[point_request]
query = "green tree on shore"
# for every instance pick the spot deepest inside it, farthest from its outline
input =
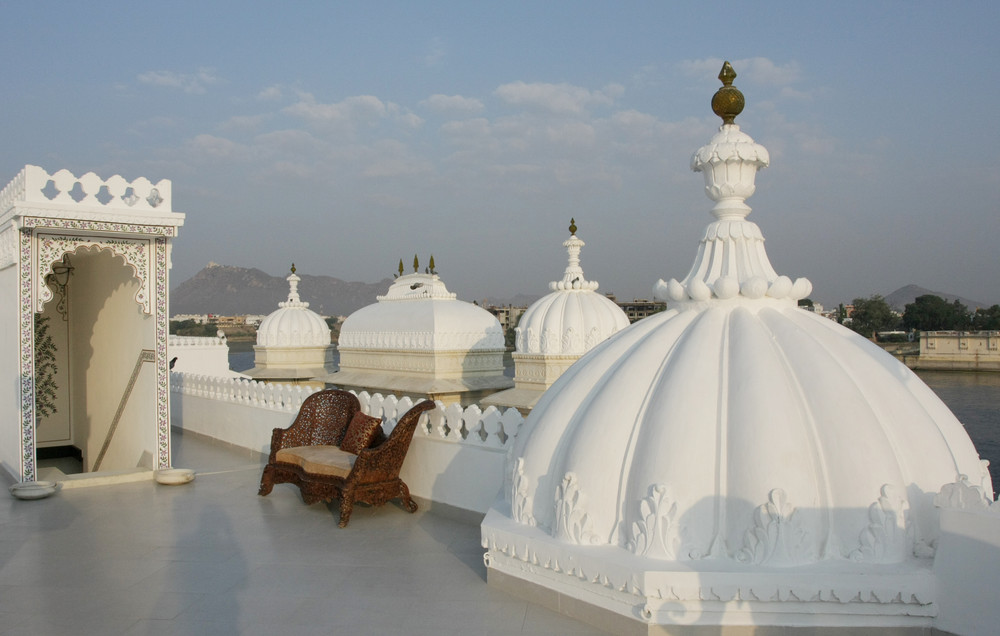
(933, 313)
(987, 319)
(872, 314)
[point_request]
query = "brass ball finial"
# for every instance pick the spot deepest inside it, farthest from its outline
(293, 268)
(572, 226)
(728, 101)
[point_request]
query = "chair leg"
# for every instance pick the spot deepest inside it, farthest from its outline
(404, 494)
(346, 507)
(266, 481)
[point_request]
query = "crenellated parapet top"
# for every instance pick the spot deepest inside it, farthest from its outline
(33, 186)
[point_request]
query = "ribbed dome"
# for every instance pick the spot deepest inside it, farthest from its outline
(736, 460)
(571, 319)
(419, 313)
(752, 431)
(736, 426)
(294, 324)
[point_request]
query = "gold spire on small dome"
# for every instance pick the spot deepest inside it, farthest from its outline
(400, 267)
(572, 226)
(293, 268)
(728, 101)
(416, 264)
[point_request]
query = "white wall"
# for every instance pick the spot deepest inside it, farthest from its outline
(967, 567)
(10, 375)
(201, 355)
(457, 456)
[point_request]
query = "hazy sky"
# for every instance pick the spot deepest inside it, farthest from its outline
(344, 136)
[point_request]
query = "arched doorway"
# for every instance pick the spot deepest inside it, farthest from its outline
(105, 355)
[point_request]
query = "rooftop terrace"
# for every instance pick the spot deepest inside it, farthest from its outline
(211, 557)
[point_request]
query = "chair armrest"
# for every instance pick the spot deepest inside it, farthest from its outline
(385, 460)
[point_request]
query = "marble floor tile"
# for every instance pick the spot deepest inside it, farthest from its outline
(212, 557)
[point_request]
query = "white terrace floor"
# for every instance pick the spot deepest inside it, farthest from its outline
(211, 557)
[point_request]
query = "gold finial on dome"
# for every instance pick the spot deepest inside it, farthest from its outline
(728, 101)
(400, 267)
(416, 264)
(572, 226)
(432, 265)
(293, 268)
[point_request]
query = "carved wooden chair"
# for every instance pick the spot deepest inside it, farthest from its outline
(323, 471)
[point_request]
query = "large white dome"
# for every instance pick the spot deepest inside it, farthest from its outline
(573, 317)
(735, 458)
(419, 313)
(293, 324)
(754, 432)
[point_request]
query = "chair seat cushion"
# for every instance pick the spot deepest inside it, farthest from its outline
(318, 460)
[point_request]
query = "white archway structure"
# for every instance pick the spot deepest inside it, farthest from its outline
(43, 218)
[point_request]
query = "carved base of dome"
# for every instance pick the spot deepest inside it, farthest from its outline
(627, 594)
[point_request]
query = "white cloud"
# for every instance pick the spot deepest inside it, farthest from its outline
(571, 133)
(270, 93)
(350, 112)
(295, 142)
(244, 122)
(216, 147)
(194, 83)
(478, 127)
(409, 120)
(561, 99)
(452, 104)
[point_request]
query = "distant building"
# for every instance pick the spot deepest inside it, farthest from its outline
(640, 308)
(971, 350)
(507, 316)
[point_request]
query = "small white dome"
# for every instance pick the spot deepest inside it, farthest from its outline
(294, 324)
(419, 313)
(574, 317)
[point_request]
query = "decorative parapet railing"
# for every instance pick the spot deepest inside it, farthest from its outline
(275, 397)
(196, 341)
(489, 428)
(33, 185)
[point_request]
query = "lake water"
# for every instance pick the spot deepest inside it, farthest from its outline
(974, 398)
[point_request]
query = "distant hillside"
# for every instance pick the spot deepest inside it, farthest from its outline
(229, 291)
(903, 296)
